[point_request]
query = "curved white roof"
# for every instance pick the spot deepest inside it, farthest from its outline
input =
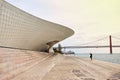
(25, 31)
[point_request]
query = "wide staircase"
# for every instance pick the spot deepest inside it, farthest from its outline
(14, 62)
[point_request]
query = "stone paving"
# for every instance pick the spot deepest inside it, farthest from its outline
(44, 66)
(73, 68)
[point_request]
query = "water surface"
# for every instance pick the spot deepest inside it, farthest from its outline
(114, 58)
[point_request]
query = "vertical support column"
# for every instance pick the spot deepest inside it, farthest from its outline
(110, 40)
(50, 44)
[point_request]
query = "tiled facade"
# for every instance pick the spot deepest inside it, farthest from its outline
(19, 29)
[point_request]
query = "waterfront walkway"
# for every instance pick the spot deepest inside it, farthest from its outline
(32, 65)
(60, 67)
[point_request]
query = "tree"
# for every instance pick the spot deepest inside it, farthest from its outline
(59, 48)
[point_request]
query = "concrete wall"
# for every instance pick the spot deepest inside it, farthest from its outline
(19, 29)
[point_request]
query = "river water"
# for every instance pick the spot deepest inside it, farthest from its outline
(114, 58)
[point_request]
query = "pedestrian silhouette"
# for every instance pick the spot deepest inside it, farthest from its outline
(91, 56)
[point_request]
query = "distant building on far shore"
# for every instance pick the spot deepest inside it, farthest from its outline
(69, 52)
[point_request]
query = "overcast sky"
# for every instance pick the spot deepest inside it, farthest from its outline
(90, 19)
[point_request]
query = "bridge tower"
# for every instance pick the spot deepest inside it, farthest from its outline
(110, 40)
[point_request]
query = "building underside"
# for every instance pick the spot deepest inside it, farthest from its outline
(19, 29)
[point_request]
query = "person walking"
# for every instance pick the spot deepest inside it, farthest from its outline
(91, 56)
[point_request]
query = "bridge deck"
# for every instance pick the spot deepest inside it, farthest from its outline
(102, 46)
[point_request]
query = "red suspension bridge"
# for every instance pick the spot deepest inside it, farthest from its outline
(110, 45)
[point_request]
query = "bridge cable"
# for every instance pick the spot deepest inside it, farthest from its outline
(94, 41)
(116, 37)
